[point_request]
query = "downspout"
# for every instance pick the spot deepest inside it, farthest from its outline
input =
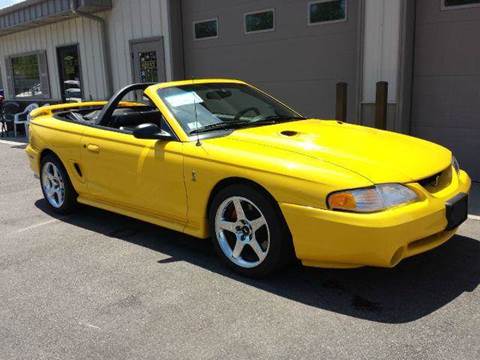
(107, 64)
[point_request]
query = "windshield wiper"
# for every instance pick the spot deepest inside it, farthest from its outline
(245, 123)
(220, 126)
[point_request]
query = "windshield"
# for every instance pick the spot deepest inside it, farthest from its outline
(205, 107)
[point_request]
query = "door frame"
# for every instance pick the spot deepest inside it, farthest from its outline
(133, 42)
(60, 69)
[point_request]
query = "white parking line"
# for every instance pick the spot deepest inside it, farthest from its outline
(38, 225)
(90, 325)
(14, 143)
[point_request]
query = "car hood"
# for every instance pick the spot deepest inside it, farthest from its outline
(380, 156)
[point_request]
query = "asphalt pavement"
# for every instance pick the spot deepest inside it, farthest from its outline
(95, 285)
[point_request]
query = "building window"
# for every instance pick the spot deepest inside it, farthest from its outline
(327, 11)
(148, 66)
(260, 21)
(205, 29)
(70, 73)
(28, 76)
(448, 4)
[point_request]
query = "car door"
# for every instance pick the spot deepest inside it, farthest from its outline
(135, 175)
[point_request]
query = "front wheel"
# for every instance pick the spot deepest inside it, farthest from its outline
(248, 231)
(56, 186)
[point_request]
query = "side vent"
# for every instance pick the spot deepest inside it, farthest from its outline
(77, 169)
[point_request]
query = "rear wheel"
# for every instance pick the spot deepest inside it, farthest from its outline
(56, 186)
(248, 232)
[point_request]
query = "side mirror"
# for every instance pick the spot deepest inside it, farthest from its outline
(151, 131)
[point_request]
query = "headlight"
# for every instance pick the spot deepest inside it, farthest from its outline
(377, 198)
(455, 164)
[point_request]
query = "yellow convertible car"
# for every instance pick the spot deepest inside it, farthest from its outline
(219, 158)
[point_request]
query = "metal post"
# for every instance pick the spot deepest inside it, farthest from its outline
(341, 105)
(381, 105)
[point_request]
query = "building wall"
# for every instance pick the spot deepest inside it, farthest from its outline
(381, 47)
(297, 63)
(133, 20)
(381, 57)
(446, 90)
(85, 32)
(128, 20)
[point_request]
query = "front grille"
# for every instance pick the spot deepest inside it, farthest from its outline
(437, 181)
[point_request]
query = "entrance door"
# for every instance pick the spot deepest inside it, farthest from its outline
(148, 60)
(70, 73)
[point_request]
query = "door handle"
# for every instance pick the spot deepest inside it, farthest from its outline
(93, 148)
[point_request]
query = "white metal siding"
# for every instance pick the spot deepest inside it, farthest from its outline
(85, 32)
(132, 20)
(381, 47)
(128, 20)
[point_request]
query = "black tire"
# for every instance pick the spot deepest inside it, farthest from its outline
(69, 203)
(280, 249)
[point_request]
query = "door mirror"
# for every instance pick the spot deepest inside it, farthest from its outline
(151, 131)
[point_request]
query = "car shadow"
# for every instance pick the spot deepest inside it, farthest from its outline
(415, 288)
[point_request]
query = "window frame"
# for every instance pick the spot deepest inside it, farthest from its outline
(246, 32)
(310, 3)
(2, 86)
(194, 23)
(46, 75)
(444, 7)
(60, 74)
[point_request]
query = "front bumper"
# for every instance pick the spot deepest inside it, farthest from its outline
(333, 239)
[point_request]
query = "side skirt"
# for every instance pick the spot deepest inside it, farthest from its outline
(176, 226)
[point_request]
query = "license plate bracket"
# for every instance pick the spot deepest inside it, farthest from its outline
(456, 211)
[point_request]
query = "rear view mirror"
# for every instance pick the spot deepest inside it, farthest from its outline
(218, 94)
(151, 131)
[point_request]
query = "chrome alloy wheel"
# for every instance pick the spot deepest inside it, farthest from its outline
(53, 185)
(242, 232)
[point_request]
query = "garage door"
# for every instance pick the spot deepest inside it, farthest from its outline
(446, 100)
(297, 50)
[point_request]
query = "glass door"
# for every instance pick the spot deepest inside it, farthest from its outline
(70, 73)
(148, 61)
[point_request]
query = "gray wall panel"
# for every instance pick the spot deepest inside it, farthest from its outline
(446, 91)
(297, 63)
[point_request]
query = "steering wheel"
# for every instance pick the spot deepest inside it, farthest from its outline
(244, 111)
